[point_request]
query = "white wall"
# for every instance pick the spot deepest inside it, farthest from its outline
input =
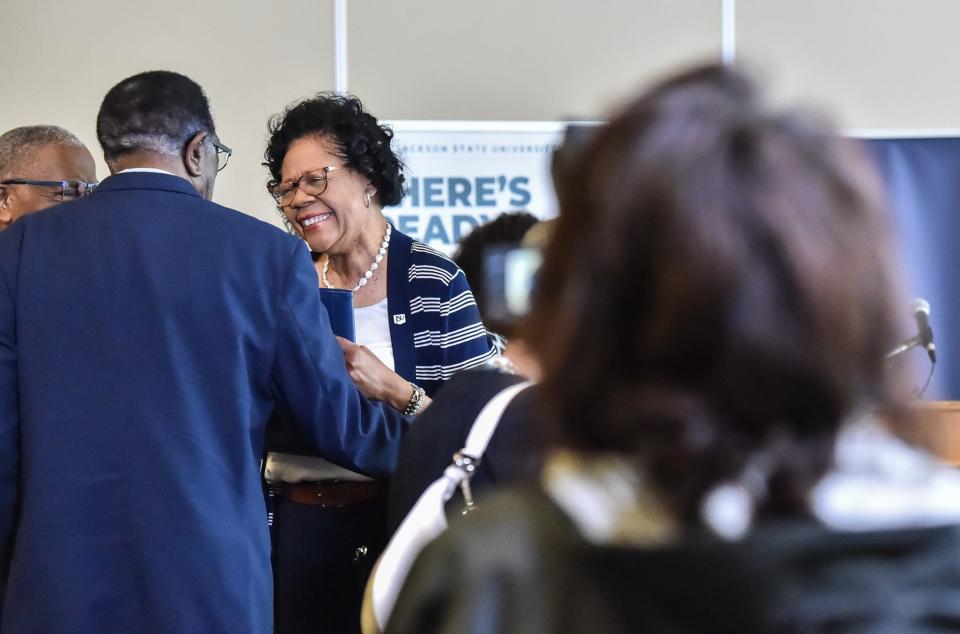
(252, 58)
(877, 63)
(518, 59)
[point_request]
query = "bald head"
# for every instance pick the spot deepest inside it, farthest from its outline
(43, 153)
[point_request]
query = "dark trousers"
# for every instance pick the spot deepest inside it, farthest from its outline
(322, 558)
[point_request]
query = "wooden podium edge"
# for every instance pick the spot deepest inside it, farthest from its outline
(935, 426)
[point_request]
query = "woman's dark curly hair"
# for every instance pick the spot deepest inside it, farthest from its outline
(360, 140)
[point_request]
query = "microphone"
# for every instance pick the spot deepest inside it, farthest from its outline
(921, 313)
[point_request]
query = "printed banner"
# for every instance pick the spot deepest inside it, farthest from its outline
(462, 174)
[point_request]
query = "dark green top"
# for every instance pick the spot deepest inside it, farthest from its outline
(518, 564)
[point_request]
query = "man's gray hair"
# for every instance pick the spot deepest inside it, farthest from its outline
(157, 111)
(157, 143)
(17, 145)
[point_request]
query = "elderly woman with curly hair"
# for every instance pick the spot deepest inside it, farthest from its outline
(332, 172)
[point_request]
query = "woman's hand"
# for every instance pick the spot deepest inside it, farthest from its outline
(374, 379)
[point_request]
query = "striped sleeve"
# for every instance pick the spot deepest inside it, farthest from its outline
(458, 340)
(461, 301)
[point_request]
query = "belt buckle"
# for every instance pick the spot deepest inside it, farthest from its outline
(323, 497)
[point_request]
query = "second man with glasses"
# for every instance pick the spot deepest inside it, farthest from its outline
(41, 166)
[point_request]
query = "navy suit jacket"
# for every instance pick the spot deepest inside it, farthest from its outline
(145, 336)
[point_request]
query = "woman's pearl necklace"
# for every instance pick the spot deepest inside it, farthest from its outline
(373, 267)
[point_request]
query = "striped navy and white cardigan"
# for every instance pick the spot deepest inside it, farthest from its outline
(435, 327)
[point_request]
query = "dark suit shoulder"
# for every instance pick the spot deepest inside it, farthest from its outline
(260, 231)
(494, 566)
(433, 438)
(251, 222)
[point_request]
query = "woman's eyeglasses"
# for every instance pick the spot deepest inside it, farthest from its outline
(313, 183)
(66, 190)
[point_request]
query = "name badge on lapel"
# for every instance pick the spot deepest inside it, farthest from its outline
(400, 319)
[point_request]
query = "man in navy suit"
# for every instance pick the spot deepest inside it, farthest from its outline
(145, 336)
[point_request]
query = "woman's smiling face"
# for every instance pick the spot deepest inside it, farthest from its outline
(332, 221)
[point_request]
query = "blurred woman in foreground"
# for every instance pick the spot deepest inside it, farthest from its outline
(714, 307)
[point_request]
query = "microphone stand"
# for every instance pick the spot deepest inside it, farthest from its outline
(906, 346)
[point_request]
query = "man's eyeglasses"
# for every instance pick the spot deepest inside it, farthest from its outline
(223, 153)
(313, 183)
(67, 190)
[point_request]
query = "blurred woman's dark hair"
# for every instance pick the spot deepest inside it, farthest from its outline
(360, 140)
(716, 299)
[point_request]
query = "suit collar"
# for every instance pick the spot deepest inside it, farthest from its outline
(147, 180)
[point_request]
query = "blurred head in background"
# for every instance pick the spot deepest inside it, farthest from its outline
(504, 232)
(716, 298)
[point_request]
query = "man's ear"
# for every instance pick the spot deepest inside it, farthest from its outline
(193, 155)
(6, 206)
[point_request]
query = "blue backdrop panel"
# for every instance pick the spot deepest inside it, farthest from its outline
(923, 180)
